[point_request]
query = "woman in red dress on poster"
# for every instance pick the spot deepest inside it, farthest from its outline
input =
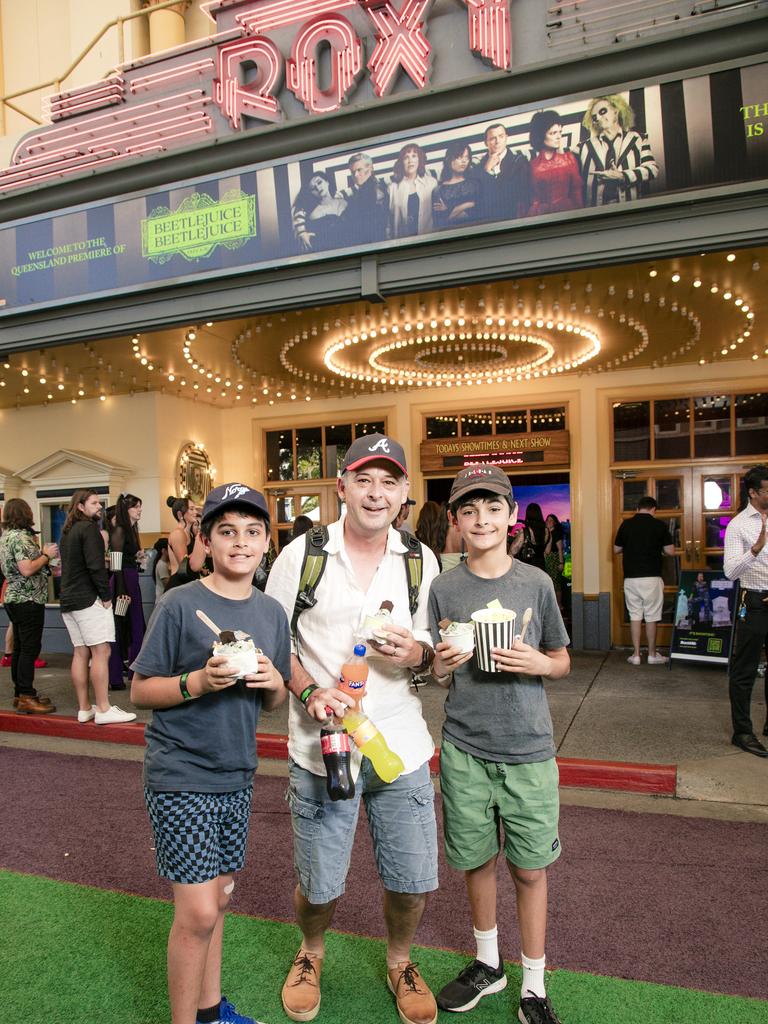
(556, 183)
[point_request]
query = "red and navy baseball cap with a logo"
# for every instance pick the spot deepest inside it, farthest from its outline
(373, 448)
(229, 495)
(481, 478)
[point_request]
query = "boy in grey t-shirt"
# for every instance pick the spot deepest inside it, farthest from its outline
(201, 743)
(497, 762)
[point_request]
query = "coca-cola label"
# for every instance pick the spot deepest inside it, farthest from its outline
(334, 743)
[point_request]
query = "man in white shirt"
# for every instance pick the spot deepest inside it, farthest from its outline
(746, 560)
(365, 566)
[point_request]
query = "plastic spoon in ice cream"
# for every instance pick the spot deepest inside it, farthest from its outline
(224, 636)
(527, 616)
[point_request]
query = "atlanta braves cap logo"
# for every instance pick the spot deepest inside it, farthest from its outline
(380, 445)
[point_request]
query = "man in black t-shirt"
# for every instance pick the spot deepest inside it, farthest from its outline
(643, 541)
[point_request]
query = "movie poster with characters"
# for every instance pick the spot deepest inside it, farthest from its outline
(704, 617)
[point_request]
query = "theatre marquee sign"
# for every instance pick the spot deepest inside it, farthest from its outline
(267, 61)
(507, 451)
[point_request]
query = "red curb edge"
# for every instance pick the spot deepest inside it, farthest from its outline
(574, 772)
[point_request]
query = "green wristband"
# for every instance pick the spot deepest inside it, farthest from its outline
(186, 695)
(305, 694)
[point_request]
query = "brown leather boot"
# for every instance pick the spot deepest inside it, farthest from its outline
(39, 699)
(301, 991)
(415, 1002)
(33, 706)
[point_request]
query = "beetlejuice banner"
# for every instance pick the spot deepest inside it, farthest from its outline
(568, 157)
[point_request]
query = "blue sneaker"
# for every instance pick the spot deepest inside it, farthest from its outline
(229, 1015)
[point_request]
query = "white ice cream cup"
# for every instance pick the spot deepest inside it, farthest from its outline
(494, 627)
(244, 660)
(463, 641)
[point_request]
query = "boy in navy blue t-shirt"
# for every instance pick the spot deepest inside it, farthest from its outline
(201, 743)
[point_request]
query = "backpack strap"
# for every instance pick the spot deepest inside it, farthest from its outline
(312, 569)
(414, 568)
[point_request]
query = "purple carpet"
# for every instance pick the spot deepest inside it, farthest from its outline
(643, 896)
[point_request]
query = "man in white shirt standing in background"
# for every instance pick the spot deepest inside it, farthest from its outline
(365, 565)
(746, 560)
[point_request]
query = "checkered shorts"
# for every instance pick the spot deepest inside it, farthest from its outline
(199, 836)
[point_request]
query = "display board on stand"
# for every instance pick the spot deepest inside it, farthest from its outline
(704, 622)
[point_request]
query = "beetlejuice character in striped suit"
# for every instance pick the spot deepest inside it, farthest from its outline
(616, 161)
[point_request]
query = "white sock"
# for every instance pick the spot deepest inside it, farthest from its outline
(533, 976)
(488, 946)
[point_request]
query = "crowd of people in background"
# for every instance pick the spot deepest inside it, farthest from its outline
(172, 561)
(611, 163)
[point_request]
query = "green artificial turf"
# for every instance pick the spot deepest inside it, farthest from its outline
(71, 954)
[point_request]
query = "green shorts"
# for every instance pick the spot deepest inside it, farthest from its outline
(478, 795)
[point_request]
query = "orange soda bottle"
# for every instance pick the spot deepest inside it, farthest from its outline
(372, 745)
(353, 675)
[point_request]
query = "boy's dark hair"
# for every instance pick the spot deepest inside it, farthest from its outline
(246, 511)
(468, 499)
(754, 477)
(646, 503)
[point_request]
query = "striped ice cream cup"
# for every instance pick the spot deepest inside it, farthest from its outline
(493, 628)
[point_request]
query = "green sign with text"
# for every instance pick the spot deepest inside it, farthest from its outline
(198, 225)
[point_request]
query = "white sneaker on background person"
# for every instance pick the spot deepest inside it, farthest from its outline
(634, 659)
(114, 716)
(657, 659)
(86, 716)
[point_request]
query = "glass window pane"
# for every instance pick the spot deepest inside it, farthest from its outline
(442, 426)
(544, 420)
(477, 424)
(751, 424)
(670, 574)
(284, 508)
(279, 455)
(668, 493)
(672, 523)
(309, 441)
(712, 426)
(634, 490)
(337, 441)
(514, 422)
(717, 492)
(672, 429)
(631, 431)
(374, 427)
(714, 530)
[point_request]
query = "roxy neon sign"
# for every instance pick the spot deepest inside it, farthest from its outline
(400, 43)
(232, 80)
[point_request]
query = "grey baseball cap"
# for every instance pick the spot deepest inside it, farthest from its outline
(481, 478)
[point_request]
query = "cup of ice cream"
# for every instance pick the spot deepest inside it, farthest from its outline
(376, 626)
(460, 635)
(242, 655)
(494, 627)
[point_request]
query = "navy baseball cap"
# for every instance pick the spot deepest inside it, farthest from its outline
(372, 448)
(227, 495)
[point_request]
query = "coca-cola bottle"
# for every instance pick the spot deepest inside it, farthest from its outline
(334, 743)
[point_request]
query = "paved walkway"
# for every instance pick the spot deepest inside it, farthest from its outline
(605, 710)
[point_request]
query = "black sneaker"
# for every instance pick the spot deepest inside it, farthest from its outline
(535, 1010)
(475, 981)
